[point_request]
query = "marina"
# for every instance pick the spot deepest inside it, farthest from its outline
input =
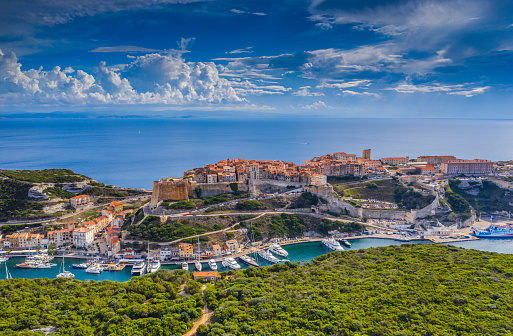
(299, 251)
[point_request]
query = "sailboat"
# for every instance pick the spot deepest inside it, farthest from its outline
(7, 274)
(65, 274)
(197, 263)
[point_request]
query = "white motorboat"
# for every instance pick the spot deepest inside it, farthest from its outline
(198, 265)
(332, 244)
(346, 242)
(154, 266)
(212, 264)
(46, 265)
(139, 268)
(3, 259)
(230, 263)
(185, 266)
(277, 249)
(248, 260)
(94, 269)
(268, 256)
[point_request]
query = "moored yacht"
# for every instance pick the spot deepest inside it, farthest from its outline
(332, 244)
(139, 268)
(268, 256)
(154, 266)
(198, 265)
(346, 242)
(248, 260)
(212, 264)
(64, 273)
(94, 269)
(231, 263)
(81, 266)
(277, 249)
(185, 266)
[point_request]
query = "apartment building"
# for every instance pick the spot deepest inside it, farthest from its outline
(471, 167)
(185, 250)
(80, 202)
(59, 237)
(394, 161)
(83, 237)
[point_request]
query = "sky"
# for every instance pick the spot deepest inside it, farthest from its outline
(338, 58)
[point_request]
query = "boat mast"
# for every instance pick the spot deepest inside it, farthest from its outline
(7, 274)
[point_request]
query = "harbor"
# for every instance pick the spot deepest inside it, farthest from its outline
(302, 250)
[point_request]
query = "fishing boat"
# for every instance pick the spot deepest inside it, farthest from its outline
(185, 266)
(332, 244)
(277, 249)
(230, 263)
(346, 242)
(212, 264)
(268, 256)
(154, 266)
(139, 268)
(64, 273)
(248, 260)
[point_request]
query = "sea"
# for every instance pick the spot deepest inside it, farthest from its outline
(133, 152)
(301, 252)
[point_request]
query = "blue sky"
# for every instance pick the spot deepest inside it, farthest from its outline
(346, 58)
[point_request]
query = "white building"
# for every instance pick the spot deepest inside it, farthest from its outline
(83, 237)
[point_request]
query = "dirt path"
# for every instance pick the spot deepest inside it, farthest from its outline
(205, 318)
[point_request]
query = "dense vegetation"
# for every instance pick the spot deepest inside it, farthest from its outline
(249, 205)
(45, 175)
(458, 203)
(14, 203)
(485, 196)
(147, 305)
(410, 199)
(305, 200)
(151, 228)
(278, 226)
(179, 205)
(421, 289)
(327, 225)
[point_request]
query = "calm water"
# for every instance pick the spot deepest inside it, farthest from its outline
(297, 252)
(134, 152)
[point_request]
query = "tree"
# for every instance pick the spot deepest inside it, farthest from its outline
(198, 192)
(192, 287)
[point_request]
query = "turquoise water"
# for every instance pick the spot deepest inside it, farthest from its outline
(297, 252)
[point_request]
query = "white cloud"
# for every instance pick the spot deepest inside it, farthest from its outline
(246, 87)
(315, 106)
(355, 93)
(241, 51)
(238, 11)
(149, 79)
(261, 14)
(344, 85)
(304, 91)
(125, 49)
(458, 89)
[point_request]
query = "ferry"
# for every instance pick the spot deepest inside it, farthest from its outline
(332, 244)
(268, 256)
(248, 260)
(277, 249)
(231, 263)
(212, 264)
(154, 266)
(139, 268)
(185, 266)
(495, 231)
